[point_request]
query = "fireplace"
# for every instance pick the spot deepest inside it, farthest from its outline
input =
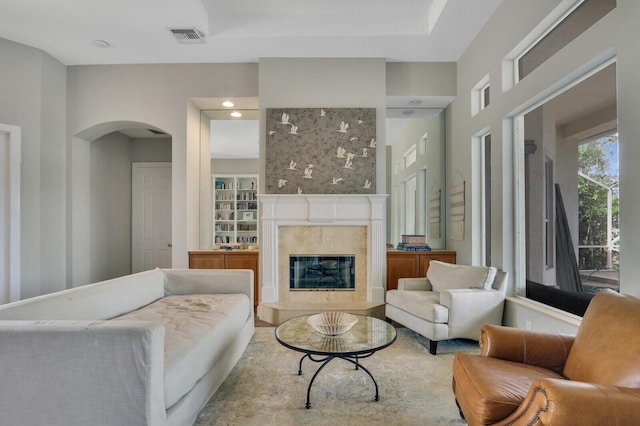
(322, 272)
(321, 225)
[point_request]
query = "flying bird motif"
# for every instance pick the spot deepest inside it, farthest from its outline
(308, 171)
(282, 183)
(285, 118)
(349, 163)
(336, 180)
(367, 184)
(294, 130)
(341, 152)
(343, 127)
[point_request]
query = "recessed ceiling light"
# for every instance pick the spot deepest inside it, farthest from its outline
(415, 102)
(227, 104)
(236, 114)
(407, 112)
(101, 44)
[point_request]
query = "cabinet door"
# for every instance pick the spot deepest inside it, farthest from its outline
(246, 261)
(206, 261)
(425, 258)
(401, 265)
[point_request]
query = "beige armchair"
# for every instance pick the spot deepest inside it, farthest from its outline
(452, 301)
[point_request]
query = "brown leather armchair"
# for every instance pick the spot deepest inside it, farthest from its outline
(524, 377)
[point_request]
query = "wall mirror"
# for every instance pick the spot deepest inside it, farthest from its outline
(416, 174)
(229, 146)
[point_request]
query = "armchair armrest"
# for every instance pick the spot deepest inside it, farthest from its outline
(548, 350)
(470, 309)
(414, 284)
(82, 372)
(564, 402)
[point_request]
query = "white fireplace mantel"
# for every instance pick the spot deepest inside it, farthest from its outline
(323, 210)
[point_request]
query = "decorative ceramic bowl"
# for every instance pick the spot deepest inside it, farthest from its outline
(332, 323)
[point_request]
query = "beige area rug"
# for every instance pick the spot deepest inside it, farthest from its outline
(264, 388)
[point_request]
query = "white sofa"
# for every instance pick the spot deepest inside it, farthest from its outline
(145, 349)
(452, 301)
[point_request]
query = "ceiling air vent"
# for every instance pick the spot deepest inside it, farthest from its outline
(187, 35)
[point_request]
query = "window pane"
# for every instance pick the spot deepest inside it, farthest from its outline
(578, 21)
(571, 195)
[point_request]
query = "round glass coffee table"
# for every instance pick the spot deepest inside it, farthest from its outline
(367, 336)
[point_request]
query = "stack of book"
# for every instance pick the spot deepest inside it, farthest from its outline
(413, 243)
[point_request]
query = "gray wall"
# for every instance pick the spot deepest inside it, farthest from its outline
(421, 79)
(161, 96)
(34, 96)
(151, 149)
(335, 83)
(110, 231)
(55, 172)
(235, 166)
(515, 21)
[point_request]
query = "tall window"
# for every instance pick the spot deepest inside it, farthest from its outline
(485, 170)
(410, 156)
(410, 206)
(485, 96)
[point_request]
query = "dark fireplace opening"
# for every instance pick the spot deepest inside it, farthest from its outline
(322, 272)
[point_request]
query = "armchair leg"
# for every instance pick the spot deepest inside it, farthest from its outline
(433, 346)
(460, 410)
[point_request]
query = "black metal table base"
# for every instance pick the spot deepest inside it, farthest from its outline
(353, 359)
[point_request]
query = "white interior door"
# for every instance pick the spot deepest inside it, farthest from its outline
(151, 216)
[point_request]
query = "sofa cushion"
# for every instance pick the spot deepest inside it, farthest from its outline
(447, 276)
(493, 388)
(422, 304)
(198, 329)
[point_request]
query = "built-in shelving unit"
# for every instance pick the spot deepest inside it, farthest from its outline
(235, 209)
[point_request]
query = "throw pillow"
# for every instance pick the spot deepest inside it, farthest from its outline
(447, 276)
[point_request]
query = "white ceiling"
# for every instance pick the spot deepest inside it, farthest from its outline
(137, 31)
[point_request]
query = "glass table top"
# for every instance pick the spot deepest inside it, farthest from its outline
(369, 334)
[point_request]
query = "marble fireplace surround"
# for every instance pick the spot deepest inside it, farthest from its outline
(321, 224)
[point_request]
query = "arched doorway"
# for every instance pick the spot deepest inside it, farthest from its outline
(104, 199)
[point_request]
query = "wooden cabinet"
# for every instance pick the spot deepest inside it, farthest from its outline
(412, 264)
(221, 259)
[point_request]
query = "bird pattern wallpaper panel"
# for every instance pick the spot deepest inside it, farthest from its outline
(321, 151)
